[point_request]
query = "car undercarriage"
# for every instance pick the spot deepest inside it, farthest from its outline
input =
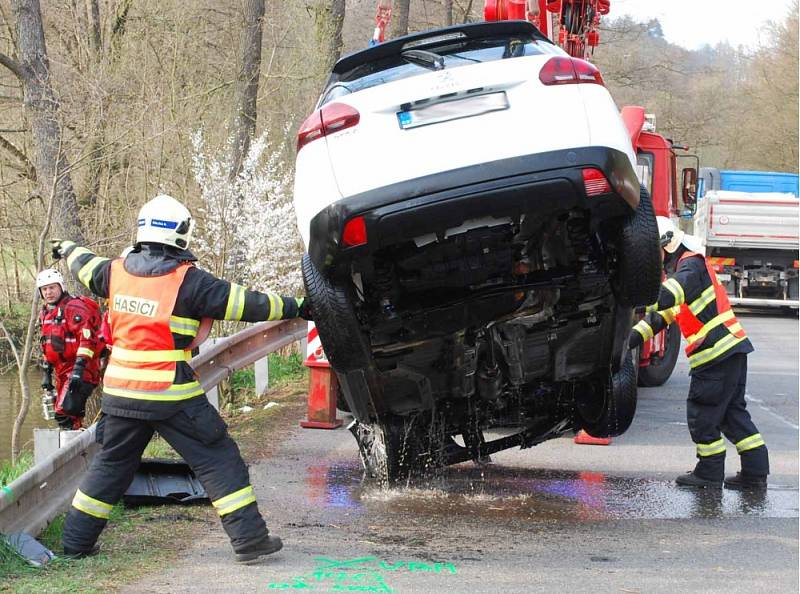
(515, 322)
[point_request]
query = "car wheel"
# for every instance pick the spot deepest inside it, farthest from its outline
(660, 368)
(399, 447)
(606, 409)
(638, 276)
(345, 345)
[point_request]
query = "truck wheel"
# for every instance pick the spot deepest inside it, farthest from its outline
(638, 276)
(606, 409)
(660, 368)
(345, 345)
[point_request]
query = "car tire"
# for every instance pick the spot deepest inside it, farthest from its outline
(397, 448)
(608, 410)
(657, 372)
(638, 276)
(344, 343)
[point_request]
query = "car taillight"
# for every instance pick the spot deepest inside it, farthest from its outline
(569, 71)
(355, 232)
(595, 183)
(328, 120)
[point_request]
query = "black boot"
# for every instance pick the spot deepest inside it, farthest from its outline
(690, 479)
(746, 482)
(70, 553)
(265, 546)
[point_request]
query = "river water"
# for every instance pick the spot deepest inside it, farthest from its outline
(10, 399)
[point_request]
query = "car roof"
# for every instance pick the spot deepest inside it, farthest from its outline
(399, 44)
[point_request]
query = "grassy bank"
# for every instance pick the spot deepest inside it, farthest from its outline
(10, 471)
(139, 540)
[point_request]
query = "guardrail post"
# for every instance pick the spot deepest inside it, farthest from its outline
(262, 375)
(212, 393)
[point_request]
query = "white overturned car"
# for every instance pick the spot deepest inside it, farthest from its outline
(477, 238)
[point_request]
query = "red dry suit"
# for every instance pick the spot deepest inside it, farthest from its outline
(71, 329)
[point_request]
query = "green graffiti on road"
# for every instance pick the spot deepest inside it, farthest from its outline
(362, 574)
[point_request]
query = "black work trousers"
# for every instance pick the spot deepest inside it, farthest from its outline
(715, 406)
(197, 433)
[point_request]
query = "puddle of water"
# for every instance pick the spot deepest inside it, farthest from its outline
(538, 495)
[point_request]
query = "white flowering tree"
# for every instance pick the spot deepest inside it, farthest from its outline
(248, 229)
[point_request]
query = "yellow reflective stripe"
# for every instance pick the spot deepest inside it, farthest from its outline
(75, 254)
(230, 503)
(651, 308)
(86, 271)
(701, 302)
(84, 352)
(734, 328)
(750, 443)
(645, 329)
(718, 349)
(668, 316)
(150, 356)
(173, 393)
(235, 307)
(710, 325)
(275, 306)
(185, 326)
(711, 449)
(143, 375)
(91, 506)
(676, 289)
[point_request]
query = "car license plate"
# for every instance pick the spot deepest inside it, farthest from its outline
(452, 110)
(724, 277)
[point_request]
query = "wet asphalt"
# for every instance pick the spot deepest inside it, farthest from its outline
(556, 517)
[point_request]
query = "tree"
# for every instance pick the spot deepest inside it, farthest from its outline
(329, 20)
(247, 79)
(400, 18)
(32, 68)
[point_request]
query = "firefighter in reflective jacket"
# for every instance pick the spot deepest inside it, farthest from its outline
(157, 297)
(717, 351)
(71, 347)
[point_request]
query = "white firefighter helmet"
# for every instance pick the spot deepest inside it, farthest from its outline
(670, 236)
(124, 253)
(49, 276)
(166, 221)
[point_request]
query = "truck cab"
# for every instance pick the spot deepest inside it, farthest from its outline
(657, 160)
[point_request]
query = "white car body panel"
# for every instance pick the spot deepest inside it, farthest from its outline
(377, 152)
(314, 185)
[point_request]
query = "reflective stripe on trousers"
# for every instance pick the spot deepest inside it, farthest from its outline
(750, 443)
(711, 449)
(89, 505)
(238, 499)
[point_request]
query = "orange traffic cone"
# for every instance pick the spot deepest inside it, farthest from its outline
(583, 438)
(322, 386)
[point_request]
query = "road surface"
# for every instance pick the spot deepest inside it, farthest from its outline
(557, 517)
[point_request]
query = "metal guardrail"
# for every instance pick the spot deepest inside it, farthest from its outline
(31, 502)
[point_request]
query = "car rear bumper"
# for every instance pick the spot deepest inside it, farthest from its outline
(542, 183)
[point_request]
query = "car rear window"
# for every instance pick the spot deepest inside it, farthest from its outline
(458, 52)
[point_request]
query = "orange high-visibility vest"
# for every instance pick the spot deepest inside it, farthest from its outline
(143, 356)
(696, 331)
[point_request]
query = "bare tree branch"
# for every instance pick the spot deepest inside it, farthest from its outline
(12, 65)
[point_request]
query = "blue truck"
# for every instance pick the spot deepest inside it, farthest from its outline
(756, 182)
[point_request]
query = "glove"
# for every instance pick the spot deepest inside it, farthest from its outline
(55, 248)
(304, 309)
(635, 340)
(47, 377)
